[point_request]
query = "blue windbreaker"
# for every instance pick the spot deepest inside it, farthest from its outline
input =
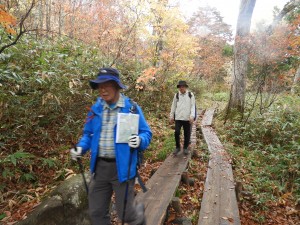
(92, 132)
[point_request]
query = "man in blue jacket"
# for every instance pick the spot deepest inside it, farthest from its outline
(113, 165)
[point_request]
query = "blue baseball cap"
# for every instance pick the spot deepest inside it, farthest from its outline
(107, 74)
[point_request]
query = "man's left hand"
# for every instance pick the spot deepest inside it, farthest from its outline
(134, 141)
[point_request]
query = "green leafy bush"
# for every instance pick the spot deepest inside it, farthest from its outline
(267, 148)
(19, 166)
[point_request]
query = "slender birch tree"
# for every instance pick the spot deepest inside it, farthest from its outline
(238, 88)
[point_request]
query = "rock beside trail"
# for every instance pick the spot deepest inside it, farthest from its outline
(66, 205)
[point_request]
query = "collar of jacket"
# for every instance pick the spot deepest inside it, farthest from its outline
(98, 106)
(183, 93)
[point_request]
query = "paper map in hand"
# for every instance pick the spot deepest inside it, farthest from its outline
(128, 124)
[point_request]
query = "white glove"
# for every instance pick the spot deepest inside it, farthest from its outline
(76, 153)
(134, 141)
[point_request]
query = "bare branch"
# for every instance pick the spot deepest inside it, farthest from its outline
(22, 28)
(288, 7)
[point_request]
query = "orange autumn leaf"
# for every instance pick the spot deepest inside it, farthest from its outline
(147, 75)
(7, 21)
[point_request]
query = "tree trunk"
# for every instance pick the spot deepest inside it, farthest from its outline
(296, 81)
(288, 7)
(48, 16)
(72, 20)
(238, 88)
(60, 18)
(41, 16)
(159, 43)
(157, 31)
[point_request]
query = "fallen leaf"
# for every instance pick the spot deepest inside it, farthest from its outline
(228, 218)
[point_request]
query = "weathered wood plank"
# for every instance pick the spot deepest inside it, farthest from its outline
(161, 188)
(210, 199)
(208, 117)
(163, 184)
(219, 204)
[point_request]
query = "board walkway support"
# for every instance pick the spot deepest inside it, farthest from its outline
(219, 204)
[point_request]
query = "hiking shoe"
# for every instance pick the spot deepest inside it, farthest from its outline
(176, 151)
(185, 151)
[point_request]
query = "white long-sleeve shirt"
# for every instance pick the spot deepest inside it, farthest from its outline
(183, 108)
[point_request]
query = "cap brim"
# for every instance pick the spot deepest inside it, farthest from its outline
(94, 83)
(182, 85)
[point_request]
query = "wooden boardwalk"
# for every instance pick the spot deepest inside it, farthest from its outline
(163, 184)
(219, 204)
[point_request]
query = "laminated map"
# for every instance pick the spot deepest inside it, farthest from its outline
(127, 124)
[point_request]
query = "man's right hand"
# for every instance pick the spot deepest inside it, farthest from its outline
(76, 153)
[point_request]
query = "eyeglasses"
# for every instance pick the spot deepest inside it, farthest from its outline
(106, 85)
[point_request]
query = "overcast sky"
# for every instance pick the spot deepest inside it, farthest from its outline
(229, 9)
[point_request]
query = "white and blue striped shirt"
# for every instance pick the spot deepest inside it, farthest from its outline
(109, 121)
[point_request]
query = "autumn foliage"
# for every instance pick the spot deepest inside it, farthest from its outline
(7, 21)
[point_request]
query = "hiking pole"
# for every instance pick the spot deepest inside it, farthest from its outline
(82, 172)
(127, 184)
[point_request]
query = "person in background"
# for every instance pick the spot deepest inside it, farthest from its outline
(111, 165)
(183, 113)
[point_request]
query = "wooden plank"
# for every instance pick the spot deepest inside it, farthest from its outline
(161, 187)
(163, 184)
(208, 117)
(219, 204)
(210, 197)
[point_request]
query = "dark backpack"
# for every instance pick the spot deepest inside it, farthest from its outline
(190, 95)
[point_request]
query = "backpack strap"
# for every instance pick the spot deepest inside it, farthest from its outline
(133, 107)
(189, 93)
(141, 182)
